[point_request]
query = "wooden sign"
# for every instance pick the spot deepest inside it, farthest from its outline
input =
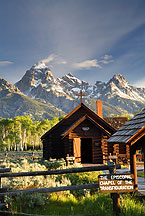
(113, 157)
(70, 158)
(116, 183)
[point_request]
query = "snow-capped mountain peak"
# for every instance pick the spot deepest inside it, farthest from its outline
(73, 85)
(119, 86)
(120, 81)
(40, 65)
(39, 83)
(71, 79)
(38, 75)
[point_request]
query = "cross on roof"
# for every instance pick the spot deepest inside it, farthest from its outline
(81, 95)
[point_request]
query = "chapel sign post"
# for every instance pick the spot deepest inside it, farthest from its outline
(115, 184)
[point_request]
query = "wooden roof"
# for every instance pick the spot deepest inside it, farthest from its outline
(79, 121)
(131, 130)
(70, 120)
(116, 122)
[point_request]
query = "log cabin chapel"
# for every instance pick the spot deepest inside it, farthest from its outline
(82, 134)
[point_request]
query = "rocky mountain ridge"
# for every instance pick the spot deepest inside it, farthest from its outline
(41, 96)
(6, 87)
(13, 103)
(40, 84)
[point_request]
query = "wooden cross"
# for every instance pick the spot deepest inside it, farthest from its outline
(81, 95)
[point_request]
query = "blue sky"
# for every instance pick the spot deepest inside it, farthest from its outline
(93, 39)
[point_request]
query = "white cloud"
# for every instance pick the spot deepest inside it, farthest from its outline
(5, 63)
(49, 59)
(107, 57)
(61, 61)
(140, 83)
(87, 64)
(104, 62)
(54, 59)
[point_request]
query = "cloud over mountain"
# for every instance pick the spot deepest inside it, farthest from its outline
(54, 59)
(49, 59)
(5, 63)
(140, 83)
(87, 64)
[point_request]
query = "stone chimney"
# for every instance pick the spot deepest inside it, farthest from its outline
(99, 108)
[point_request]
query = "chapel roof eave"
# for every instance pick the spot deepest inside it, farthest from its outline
(59, 123)
(107, 125)
(77, 123)
(131, 132)
(127, 140)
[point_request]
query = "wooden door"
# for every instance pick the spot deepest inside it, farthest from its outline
(77, 149)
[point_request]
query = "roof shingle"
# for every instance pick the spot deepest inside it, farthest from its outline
(130, 128)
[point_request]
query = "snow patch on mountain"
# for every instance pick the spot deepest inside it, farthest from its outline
(118, 85)
(40, 65)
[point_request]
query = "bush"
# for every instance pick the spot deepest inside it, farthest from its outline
(28, 165)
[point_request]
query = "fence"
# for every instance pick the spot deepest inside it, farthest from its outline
(4, 192)
(21, 154)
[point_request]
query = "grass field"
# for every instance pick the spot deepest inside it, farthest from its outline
(140, 174)
(82, 202)
(65, 204)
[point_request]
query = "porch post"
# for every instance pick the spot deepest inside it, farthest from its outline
(143, 149)
(133, 165)
(135, 172)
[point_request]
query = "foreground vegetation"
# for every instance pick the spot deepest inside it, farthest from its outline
(140, 174)
(67, 204)
(85, 202)
(21, 133)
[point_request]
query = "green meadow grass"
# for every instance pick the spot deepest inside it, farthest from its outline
(66, 204)
(132, 206)
(79, 202)
(98, 204)
(140, 174)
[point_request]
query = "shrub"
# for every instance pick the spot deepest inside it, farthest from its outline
(20, 201)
